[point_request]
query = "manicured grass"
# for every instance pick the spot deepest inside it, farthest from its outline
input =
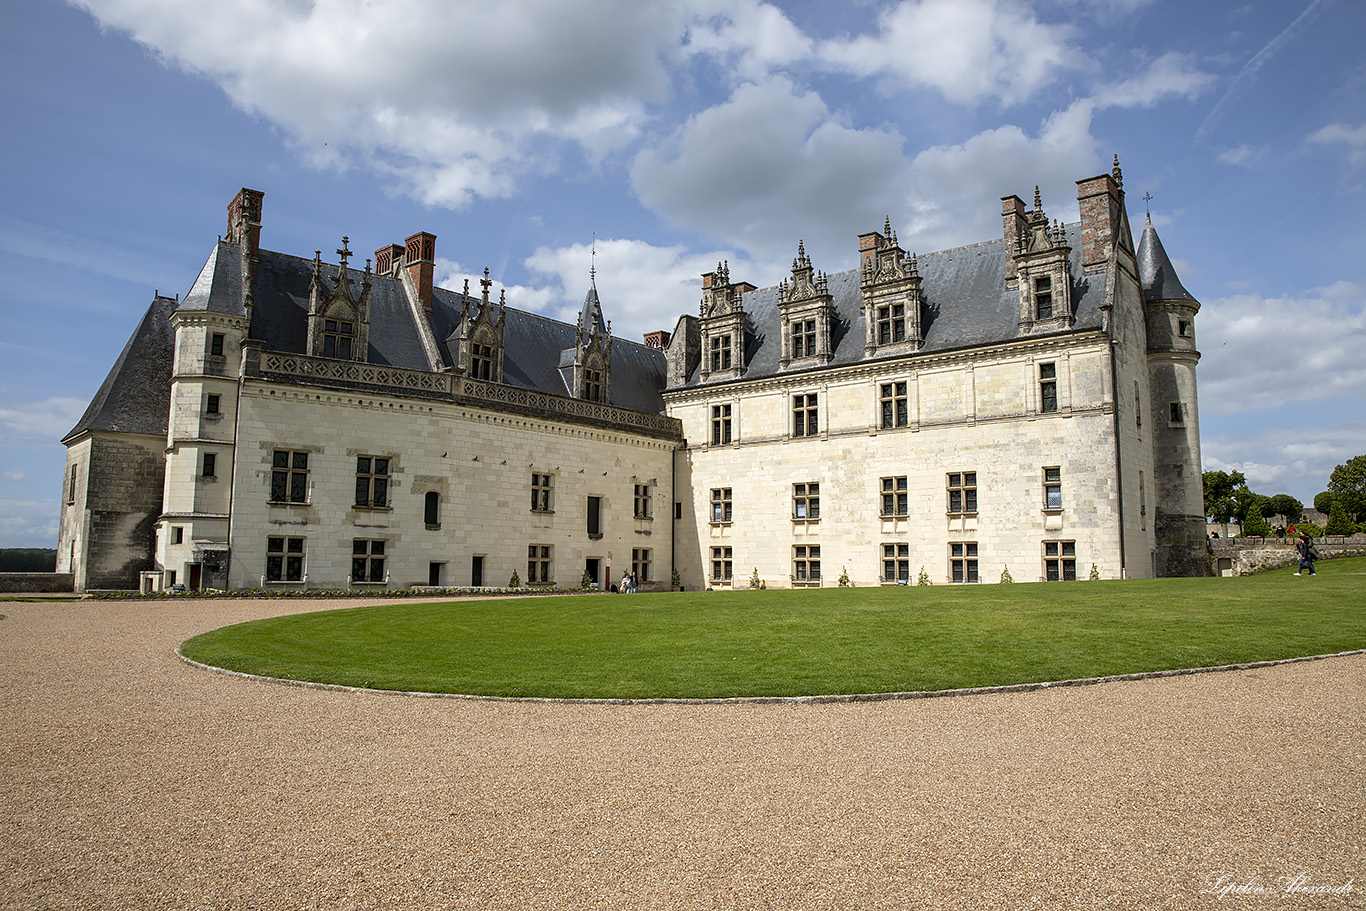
(829, 641)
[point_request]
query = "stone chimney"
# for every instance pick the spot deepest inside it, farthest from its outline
(1101, 200)
(244, 224)
(419, 256)
(387, 259)
(1013, 214)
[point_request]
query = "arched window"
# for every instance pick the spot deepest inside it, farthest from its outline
(433, 509)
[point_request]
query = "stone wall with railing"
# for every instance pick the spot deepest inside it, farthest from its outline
(1246, 556)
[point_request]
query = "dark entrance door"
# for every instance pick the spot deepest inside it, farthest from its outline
(477, 571)
(592, 567)
(195, 570)
(434, 574)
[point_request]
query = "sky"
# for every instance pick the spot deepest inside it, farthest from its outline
(649, 141)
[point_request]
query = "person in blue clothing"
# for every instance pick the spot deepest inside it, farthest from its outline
(1307, 554)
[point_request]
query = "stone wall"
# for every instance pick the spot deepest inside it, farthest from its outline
(1246, 556)
(37, 582)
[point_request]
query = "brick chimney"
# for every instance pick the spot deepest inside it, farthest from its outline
(1014, 224)
(244, 223)
(419, 256)
(1101, 200)
(387, 258)
(658, 339)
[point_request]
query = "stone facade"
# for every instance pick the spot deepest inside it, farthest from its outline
(1024, 405)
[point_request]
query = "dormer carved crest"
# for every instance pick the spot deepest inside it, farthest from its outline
(804, 308)
(889, 280)
(722, 325)
(480, 340)
(1041, 271)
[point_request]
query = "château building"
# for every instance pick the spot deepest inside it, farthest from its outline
(1024, 405)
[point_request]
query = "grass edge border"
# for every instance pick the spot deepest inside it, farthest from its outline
(773, 700)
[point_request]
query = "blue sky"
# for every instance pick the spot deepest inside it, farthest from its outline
(675, 135)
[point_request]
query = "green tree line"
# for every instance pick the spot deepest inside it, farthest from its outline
(1228, 498)
(27, 560)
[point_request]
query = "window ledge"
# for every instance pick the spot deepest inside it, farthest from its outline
(368, 508)
(1052, 511)
(436, 527)
(895, 515)
(288, 503)
(716, 524)
(803, 520)
(544, 512)
(962, 515)
(595, 536)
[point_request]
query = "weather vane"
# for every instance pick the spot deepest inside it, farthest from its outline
(1147, 198)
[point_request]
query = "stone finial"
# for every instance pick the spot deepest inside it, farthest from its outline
(1038, 203)
(1117, 174)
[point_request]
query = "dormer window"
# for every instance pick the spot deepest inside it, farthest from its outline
(891, 324)
(592, 385)
(337, 338)
(481, 362)
(804, 338)
(720, 352)
(1043, 297)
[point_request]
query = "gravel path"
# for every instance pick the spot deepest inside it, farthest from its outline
(129, 779)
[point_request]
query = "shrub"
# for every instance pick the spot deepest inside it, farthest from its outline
(844, 578)
(1254, 525)
(586, 581)
(1313, 530)
(1095, 573)
(676, 580)
(1323, 502)
(515, 581)
(1338, 523)
(1005, 575)
(754, 580)
(923, 578)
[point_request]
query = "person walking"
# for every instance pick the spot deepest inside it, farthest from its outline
(1307, 554)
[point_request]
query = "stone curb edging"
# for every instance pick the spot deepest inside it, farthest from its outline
(768, 700)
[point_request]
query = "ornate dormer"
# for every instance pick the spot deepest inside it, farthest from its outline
(805, 311)
(480, 341)
(338, 323)
(592, 363)
(890, 286)
(723, 325)
(1037, 265)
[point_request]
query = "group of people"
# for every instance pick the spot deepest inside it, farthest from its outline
(629, 584)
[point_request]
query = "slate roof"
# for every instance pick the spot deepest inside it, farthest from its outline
(136, 395)
(531, 343)
(1160, 282)
(967, 304)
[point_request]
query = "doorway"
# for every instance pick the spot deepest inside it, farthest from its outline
(593, 568)
(477, 571)
(196, 570)
(434, 574)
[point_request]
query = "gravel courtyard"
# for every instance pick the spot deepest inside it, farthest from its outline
(129, 779)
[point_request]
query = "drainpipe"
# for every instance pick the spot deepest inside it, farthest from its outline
(1119, 460)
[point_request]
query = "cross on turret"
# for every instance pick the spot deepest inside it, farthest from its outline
(344, 252)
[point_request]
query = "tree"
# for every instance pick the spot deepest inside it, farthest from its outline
(1348, 484)
(1220, 485)
(1323, 502)
(1253, 523)
(1338, 523)
(1283, 504)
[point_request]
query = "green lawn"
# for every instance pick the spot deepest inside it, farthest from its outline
(829, 641)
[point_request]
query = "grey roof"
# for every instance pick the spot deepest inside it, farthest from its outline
(966, 304)
(531, 343)
(1160, 282)
(136, 395)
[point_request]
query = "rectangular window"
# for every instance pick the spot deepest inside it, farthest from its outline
(894, 497)
(1183, 328)
(367, 560)
(284, 559)
(1043, 297)
(806, 563)
(372, 481)
(592, 385)
(481, 362)
(289, 477)
(962, 493)
(1052, 488)
(1048, 387)
(720, 425)
(541, 487)
(896, 562)
(640, 563)
(538, 564)
(804, 338)
(177, 534)
(1176, 415)
(804, 420)
(595, 516)
(720, 504)
(1060, 561)
(431, 509)
(216, 344)
(71, 486)
(211, 404)
(337, 337)
(963, 561)
(720, 352)
(806, 501)
(210, 465)
(642, 501)
(894, 411)
(721, 563)
(891, 324)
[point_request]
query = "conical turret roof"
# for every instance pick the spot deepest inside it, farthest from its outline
(1155, 270)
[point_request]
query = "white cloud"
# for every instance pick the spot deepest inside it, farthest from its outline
(757, 36)
(770, 163)
(1171, 75)
(1242, 155)
(1297, 460)
(16, 475)
(1354, 137)
(959, 187)
(77, 251)
(29, 523)
(1247, 340)
(967, 50)
(45, 421)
